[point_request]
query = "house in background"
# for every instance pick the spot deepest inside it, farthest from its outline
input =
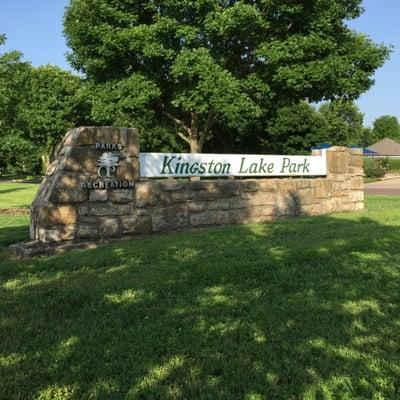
(386, 148)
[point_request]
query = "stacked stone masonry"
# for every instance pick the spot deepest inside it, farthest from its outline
(63, 210)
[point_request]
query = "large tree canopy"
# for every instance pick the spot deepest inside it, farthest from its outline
(208, 63)
(37, 106)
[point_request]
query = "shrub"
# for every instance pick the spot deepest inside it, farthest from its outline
(376, 168)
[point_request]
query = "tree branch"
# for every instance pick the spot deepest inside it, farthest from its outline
(176, 120)
(182, 136)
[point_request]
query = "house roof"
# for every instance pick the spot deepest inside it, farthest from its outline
(386, 147)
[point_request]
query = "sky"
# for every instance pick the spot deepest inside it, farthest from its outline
(34, 27)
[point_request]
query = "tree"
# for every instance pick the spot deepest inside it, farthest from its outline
(37, 106)
(367, 137)
(295, 130)
(54, 102)
(344, 122)
(129, 102)
(15, 149)
(386, 126)
(228, 64)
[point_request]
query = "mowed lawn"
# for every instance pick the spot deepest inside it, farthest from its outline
(16, 195)
(307, 308)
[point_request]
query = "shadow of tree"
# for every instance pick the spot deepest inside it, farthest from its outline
(16, 189)
(13, 234)
(305, 308)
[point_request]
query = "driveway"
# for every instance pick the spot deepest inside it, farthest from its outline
(388, 186)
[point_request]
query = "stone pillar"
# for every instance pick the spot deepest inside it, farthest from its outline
(89, 187)
(345, 179)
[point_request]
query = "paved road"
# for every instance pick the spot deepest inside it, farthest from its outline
(389, 186)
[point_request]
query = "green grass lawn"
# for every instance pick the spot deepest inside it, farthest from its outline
(16, 194)
(307, 308)
(394, 164)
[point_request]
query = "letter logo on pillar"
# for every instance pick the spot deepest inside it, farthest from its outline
(107, 163)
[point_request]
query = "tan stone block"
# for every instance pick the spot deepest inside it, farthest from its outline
(306, 195)
(53, 167)
(303, 183)
(57, 215)
(356, 171)
(356, 158)
(141, 213)
(204, 218)
(249, 186)
(83, 209)
(67, 189)
(121, 195)
(332, 205)
(337, 162)
(146, 194)
(171, 186)
(98, 195)
(357, 183)
(136, 225)
(128, 169)
(85, 136)
(339, 188)
(69, 138)
(88, 230)
(182, 196)
(268, 185)
(356, 196)
(56, 233)
(81, 159)
(106, 134)
(208, 190)
(349, 207)
(106, 209)
(218, 204)
(288, 204)
(320, 188)
(260, 199)
(286, 185)
(312, 209)
(359, 206)
(196, 207)
(169, 218)
(262, 210)
(109, 226)
(130, 141)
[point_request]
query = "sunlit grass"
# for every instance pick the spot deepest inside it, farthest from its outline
(307, 308)
(14, 195)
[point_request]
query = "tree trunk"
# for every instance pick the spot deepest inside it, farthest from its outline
(195, 146)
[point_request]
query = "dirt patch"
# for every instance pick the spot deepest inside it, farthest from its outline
(14, 211)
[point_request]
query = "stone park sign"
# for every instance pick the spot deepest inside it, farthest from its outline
(100, 187)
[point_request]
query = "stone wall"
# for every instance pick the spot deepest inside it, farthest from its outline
(64, 210)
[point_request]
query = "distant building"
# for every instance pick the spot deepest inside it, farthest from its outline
(386, 148)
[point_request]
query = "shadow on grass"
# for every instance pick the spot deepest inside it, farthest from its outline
(13, 234)
(306, 308)
(17, 189)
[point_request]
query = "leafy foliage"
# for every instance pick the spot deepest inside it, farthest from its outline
(377, 168)
(37, 106)
(344, 122)
(215, 66)
(296, 129)
(386, 126)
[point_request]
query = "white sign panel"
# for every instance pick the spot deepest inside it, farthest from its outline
(156, 165)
